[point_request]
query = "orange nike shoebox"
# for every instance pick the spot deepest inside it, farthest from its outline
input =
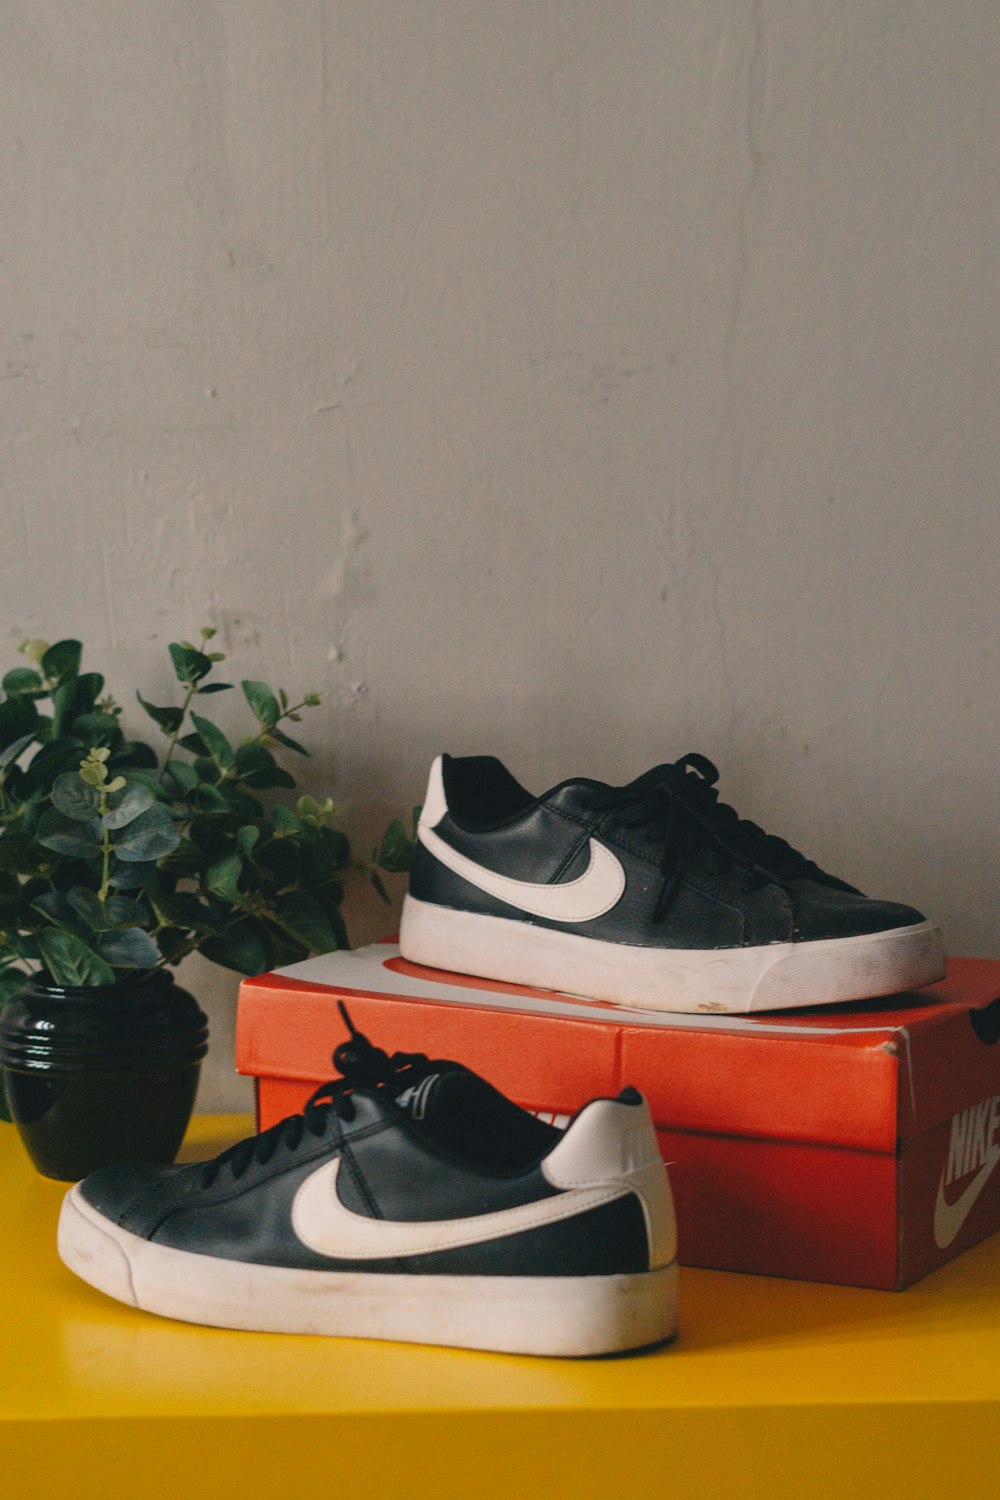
(852, 1143)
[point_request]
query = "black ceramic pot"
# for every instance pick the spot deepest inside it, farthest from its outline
(101, 1075)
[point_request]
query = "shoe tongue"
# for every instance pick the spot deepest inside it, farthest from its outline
(422, 1100)
(460, 1111)
(579, 798)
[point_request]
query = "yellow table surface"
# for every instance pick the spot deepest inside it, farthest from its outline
(774, 1388)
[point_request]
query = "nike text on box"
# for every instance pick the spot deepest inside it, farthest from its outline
(858, 1144)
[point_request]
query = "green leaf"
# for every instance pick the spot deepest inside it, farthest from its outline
(341, 931)
(62, 660)
(68, 836)
(190, 665)
(206, 771)
(258, 767)
(329, 897)
(186, 859)
(12, 982)
(285, 823)
(23, 681)
(216, 687)
(215, 742)
(279, 862)
(34, 649)
(12, 752)
(303, 917)
(134, 755)
(96, 729)
(379, 885)
(209, 799)
(38, 776)
(173, 944)
(222, 878)
(138, 776)
(73, 797)
(18, 717)
(192, 743)
(70, 961)
(152, 835)
(326, 853)
(55, 907)
(246, 839)
(180, 777)
(253, 757)
(281, 948)
(129, 948)
(75, 696)
(134, 877)
(189, 912)
(117, 911)
(244, 808)
(287, 741)
(211, 917)
(395, 852)
(127, 804)
(242, 948)
(24, 947)
(169, 719)
(262, 701)
(18, 851)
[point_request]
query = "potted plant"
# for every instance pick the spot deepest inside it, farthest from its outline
(116, 861)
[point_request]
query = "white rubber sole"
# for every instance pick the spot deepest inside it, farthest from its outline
(552, 1315)
(738, 981)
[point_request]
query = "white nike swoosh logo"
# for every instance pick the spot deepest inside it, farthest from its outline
(328, 1227)
(949, 1217)
(592, 894)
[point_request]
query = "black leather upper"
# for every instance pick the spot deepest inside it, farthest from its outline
(391, 1169)
(717, 901)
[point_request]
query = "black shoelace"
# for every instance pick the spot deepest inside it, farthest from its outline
(361, 1065)
(678, 803)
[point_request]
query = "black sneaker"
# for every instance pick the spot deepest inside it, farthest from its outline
(411, 1201)
(653, 895)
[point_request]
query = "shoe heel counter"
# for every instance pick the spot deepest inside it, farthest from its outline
(435, 804)
(611, 1142)
(425, 871)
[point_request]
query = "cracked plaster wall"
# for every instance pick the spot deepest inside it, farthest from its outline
(582, 381)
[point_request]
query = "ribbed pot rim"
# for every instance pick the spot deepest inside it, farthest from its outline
(158, 983)
(102, 1028)
(23, 1050)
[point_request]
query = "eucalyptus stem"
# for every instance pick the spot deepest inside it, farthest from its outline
(192, 688)
(106, 847)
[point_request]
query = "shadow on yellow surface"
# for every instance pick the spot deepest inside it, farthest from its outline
(745, 1341)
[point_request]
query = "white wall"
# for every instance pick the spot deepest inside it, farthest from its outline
(585, 381)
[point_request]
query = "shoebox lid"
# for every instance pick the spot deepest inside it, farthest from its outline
(864, 1075)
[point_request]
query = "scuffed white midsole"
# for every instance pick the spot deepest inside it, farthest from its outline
(777, 976)
(552, 1315)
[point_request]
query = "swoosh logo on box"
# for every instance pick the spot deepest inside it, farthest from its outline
(329, 1227)
(950, 1217)
(592, 894)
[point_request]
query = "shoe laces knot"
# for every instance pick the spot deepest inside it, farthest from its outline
(361, 1065)
(678, 805)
